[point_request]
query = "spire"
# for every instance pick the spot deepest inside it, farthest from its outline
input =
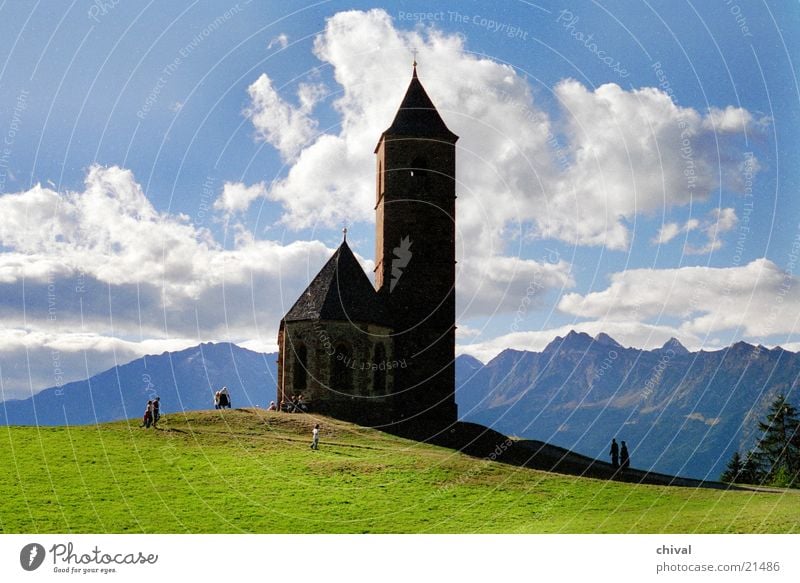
(417, 116)
(344, 235)
(414, 64)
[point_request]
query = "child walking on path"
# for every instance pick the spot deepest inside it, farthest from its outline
(315, 437)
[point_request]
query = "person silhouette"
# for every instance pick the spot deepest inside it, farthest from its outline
(156, 410)
(315, 437)
(614, 454)
(625, 457)
(147, 419)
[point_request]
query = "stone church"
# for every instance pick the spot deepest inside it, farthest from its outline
(384, 354)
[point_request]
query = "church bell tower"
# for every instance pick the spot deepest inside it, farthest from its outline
(415, 258)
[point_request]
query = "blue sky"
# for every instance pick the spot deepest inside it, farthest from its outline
(196, 163)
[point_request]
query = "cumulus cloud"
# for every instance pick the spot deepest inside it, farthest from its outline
(667, 233)
(731, 119)
(103, 270)
(508, 284)
(758, 299)
(721, 221)
(284, 126)
(237, 197)
(644, 308)
(718, 222)
(610, 154)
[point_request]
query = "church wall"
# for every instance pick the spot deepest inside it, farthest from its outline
(336, 352)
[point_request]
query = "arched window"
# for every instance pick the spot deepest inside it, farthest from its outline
(341, 369)
(379, 372)
(300, 369)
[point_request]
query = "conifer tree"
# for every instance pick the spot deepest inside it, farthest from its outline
(733, 472)
(742, 470)
(778, 450)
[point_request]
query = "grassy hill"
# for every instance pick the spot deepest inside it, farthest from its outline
(251, 471)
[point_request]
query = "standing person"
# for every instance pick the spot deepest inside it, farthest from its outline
(147, 419)
(156, 410)
(614, 454)
(315, 437)
(224, 398)
(216, 400)
(626, 458)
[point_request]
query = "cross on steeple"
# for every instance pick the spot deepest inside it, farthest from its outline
(344, 233)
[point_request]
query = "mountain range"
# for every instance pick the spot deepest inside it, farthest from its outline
(680, 412)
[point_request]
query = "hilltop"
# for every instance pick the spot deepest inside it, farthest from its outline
(681, 412)
(248, 470)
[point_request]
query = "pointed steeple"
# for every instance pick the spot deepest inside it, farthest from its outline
(341, 291)
(417, 116)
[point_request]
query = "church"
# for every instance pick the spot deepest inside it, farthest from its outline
(383, 354)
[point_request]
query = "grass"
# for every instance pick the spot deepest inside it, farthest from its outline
(239, 471)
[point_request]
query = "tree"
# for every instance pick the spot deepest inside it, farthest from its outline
(734, 470)
(742, 471)
(778, 450)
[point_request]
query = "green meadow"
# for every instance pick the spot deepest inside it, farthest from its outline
(249, 471)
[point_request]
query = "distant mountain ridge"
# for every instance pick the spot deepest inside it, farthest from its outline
(185, 380)
(681, 412)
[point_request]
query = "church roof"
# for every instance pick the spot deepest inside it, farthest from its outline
(417, 116)
(340, 291)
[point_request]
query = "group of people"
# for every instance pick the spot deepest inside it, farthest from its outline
(152, 413)
(222, 399)
(295, 404)
(620, 458)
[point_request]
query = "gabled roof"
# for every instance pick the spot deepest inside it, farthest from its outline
(417, 116)
(340, 291)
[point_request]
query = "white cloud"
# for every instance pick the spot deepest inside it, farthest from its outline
(237, 197)
(719, 221)
(667, 233)
(730, 119)
(99, 267)
(507, 284)
(757, 299)
(464, 331)
(282, 41)
(286, 127)
(610, 155)
(726, 219)
(722, 220)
